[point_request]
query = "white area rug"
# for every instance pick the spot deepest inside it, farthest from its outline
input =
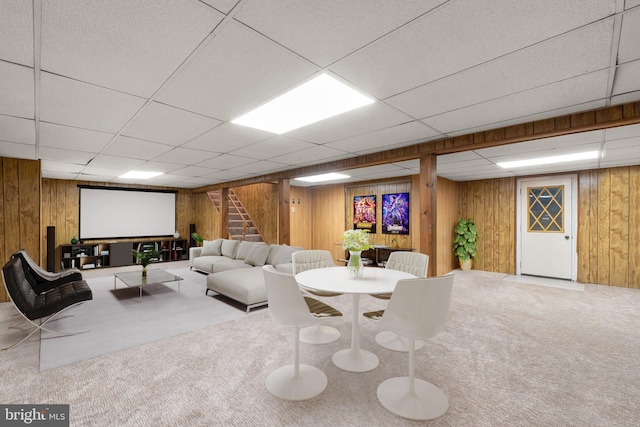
(116, 320)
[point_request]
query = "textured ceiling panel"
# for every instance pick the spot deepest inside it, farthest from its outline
(136, 148)
(237, 71)
(568, 92)
(14, 129)
(227, 137)
(460, 35)
(17, 151)
(184, 156)
(272, 147)
(355, 122)
(169, 125)
(326, 31)
(134, 46)
(16, 31)
(629, 48)
(70, 138)
(627, 78)
(73, 103)
(579, 52)
(16, 87)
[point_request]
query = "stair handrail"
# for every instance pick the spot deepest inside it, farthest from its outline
(245, 220)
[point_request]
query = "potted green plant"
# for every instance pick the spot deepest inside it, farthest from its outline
(197, 238)
(465, 242)
(145, 258)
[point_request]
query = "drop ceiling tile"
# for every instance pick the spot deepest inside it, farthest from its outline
(59, 175)
(569, 92)
(14, 129)
(628, 4)
(225, 161)
(109, 173)
(227, 137)
(622, 132)
(457, 157)
(226, 175)
(468, 167)
(66, 156)
(317, 154)
(73, 103)
(96, 177)
(130, 46)
(626, 79)
(165, 179)
(116, 162)
(223, 6)
(556, 151)
(16, 87)
(625, 98)
(184, 156)
(194, 171)
(261, 167)
(582, 51)
(460, 35)
(324, 32)
(235, 72)
(67, 137)
(629, 47)
(272, 147)
(16, 32)
(373, 170)
(17, 150)
(382, 139)
(159, 167)
(169, 125)
(355, 122)
(572, 142)
(51, 166)
(125, 146)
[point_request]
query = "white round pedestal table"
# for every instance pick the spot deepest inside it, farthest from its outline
(336, 279)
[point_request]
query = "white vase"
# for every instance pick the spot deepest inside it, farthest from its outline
(354, 265)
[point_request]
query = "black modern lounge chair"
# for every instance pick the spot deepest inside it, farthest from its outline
(38, 305)
(42, 280)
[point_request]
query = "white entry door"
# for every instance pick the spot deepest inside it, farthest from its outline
(547, 243)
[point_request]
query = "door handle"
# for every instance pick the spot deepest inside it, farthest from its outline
(566, 237)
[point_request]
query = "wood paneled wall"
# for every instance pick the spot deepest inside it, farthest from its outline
(19, 209)
(61, 203)
(328, 215)
(491, 204)
(301, 217)
(447, 214)
(261, 202)
(609, 226)
(378, 189)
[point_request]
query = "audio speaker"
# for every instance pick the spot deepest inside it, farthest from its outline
(192, 229)
(51, 248)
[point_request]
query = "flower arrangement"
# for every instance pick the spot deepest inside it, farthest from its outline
(356, 240)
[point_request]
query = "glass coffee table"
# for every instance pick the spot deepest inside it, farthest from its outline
(134, 278)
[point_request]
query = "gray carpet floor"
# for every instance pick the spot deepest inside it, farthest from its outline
(512, 354)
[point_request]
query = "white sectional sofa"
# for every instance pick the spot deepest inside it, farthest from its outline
(234, 267)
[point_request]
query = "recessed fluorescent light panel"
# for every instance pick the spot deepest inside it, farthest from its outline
(315, 100)
(139, 175)
(550, 160)
(323, 177)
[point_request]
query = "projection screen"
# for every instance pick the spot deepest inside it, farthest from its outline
(111, 213)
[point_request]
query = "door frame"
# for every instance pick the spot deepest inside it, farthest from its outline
(574, 220)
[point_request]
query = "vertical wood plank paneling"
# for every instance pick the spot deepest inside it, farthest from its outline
(30, 202)
(329, 219)
(301, 222)
(584, 226)
(619, 227)
(634, 227)
(604, 212)
(3, 252)
(11, 206)
(448, 212)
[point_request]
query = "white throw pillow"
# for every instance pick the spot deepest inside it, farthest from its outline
(281, 254)
(245, 247)
(229, 247)
(257, 255)
(211, 247)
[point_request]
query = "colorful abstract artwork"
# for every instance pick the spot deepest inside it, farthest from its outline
(395, 213)
(364, 213)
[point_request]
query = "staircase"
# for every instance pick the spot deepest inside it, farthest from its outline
(241, 227)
